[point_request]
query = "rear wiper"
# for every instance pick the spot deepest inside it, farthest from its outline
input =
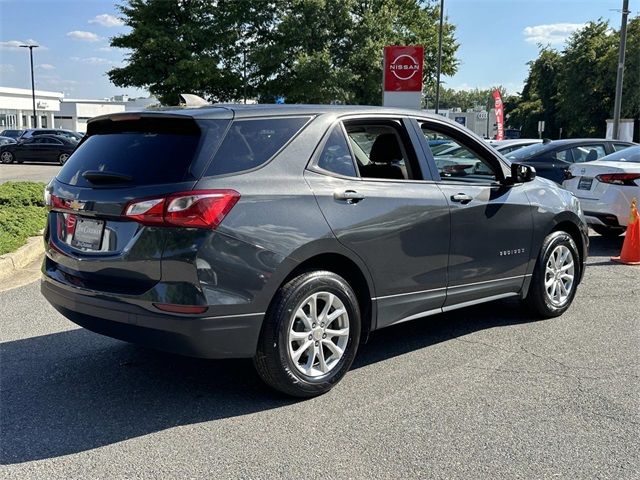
(97, 176)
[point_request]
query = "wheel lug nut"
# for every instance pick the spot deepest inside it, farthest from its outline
(310, 336)
(317, 343)
(313, 325)
(324, 335)
(322, 324)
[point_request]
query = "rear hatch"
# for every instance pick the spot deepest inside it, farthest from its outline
(588, 182)
(123, 159)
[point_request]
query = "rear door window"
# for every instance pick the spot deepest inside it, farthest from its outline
(149, 150)
(253, 142)
(382, 149)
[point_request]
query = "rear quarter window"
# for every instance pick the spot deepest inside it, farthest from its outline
(253, 142)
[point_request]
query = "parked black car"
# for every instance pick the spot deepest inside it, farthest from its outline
(552, 159)
(11, 133)
(42, 148)
(289, 233)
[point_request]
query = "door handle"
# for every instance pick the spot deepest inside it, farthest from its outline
(461, 198)
(350, 196)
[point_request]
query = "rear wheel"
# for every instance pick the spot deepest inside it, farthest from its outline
(555, 276)
(310, 335)
(7, 157)
(609, 232)
(62, 158)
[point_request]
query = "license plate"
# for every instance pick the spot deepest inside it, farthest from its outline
(585, 183)
(88, 233)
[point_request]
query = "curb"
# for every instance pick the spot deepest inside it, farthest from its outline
(10, 262)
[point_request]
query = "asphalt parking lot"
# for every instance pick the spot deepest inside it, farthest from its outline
(484, 392)
(35, 172)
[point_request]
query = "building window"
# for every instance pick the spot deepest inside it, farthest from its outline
(24, 121)
(43, 121)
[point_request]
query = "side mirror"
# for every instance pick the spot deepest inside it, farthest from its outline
(521, 173)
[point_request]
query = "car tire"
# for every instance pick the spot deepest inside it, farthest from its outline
(608, 232)
(62, 158)
(290, 325)
(551, 290)
(7, 157)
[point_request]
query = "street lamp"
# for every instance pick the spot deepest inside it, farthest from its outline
(33, 85)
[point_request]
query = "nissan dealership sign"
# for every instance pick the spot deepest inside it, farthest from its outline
(403, 76)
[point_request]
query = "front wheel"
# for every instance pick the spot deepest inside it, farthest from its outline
(7, 157)
(62, 158)
(555, 276)
(310, 335)
(608, 232)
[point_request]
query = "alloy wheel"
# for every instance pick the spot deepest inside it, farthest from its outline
(318, 334)
(63, 158)
(559, 275)
(6, 157)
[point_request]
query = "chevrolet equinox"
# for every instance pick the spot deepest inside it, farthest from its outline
(287, 233)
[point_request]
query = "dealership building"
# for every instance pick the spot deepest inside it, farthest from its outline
(55, 111)
(16, 108)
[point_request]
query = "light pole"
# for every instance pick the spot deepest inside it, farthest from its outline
(33, 84)
(439, 56)
(617, 103)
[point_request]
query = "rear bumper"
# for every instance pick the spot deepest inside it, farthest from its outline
(612, 209)
(231, 336)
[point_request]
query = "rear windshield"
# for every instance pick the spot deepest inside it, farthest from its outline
(149, 151)
(527, 152)
(630, 154)
(251, 143)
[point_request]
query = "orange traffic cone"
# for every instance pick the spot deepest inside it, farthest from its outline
(630, 253)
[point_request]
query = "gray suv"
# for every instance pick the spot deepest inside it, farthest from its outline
(287, 234)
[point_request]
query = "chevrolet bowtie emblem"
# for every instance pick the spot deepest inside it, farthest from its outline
(76, 205)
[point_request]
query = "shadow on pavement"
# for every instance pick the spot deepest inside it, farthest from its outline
(74, 391)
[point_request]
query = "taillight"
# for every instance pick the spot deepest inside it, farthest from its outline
(53, 201)
(196, 209)
(619, 178)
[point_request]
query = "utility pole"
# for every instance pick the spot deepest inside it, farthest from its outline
(439, 56)
(33, 84)
(617, 104)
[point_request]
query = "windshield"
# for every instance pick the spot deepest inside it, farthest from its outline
(631, 154)
(527, 152)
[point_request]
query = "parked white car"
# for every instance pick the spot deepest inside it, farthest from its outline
(605, 188)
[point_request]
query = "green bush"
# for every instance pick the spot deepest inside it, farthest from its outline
(22, 213)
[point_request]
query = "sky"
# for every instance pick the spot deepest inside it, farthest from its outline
(497, 38)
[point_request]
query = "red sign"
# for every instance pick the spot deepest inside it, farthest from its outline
(403, 68)
(499, 114)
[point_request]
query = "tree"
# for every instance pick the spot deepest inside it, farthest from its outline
(306, 50)
(574, 89)
(587, 80)
(539, 96)
(469, 99)
(189, 46)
